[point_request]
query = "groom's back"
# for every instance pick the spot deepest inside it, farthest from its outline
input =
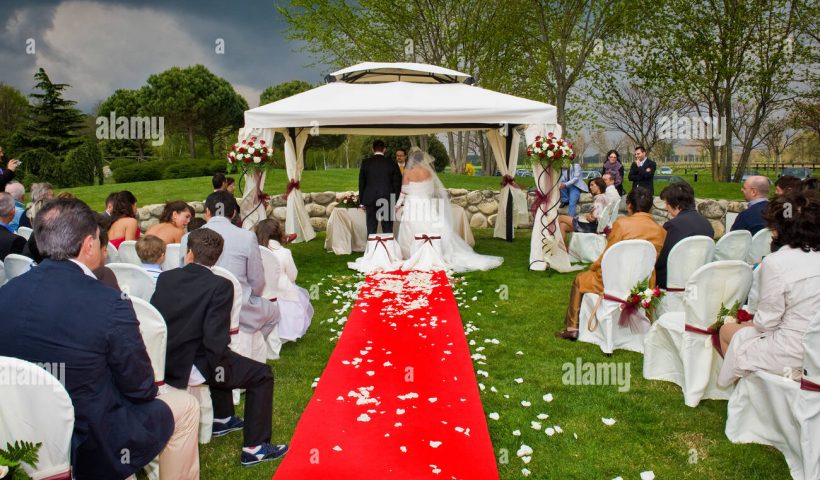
(379, 177)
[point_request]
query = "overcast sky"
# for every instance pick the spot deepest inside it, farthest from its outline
(98, 46)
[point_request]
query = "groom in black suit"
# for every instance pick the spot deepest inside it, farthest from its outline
(642, 171)
(379, 188)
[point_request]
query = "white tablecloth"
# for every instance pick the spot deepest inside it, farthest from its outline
(347, 229)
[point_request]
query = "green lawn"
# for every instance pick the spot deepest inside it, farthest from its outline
(190, 189)
(520, 308)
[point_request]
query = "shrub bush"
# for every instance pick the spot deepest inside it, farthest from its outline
(39, 165)
(82, 165)
(118, 163)
(139, 172)
(185, 169)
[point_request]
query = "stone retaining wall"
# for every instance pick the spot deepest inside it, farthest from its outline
(481, 207)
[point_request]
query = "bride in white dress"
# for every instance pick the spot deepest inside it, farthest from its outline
(425, 210)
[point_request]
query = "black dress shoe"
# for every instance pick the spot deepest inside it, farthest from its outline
(565, 334)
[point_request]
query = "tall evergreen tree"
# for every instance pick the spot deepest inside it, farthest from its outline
(54, 123)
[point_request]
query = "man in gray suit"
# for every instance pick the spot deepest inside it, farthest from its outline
(241, 257)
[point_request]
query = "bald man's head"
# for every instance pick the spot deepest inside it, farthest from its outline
(756, 186)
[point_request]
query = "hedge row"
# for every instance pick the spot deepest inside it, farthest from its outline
(126, 171)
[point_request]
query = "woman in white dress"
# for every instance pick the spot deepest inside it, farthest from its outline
(425, 210)
(295, 310)
(789, 294)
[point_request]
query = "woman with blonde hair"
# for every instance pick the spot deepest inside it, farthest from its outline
(40, 194)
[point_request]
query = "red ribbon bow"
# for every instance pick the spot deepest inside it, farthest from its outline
(381, 241)
(630, 315)
(293, 184)
(428, 238)
(714, 335)
(541, 199)
(509, 180)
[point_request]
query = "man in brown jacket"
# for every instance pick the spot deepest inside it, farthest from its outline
(637, 225)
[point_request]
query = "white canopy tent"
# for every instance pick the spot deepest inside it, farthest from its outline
(401, 99)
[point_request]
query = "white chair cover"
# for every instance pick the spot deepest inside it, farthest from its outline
(133, 280)
(754, 292)
(729, 220)
(2, 273)
(587, 247)
(687, 358)
(128, 252)
(16, 265)
(425, 254)
(40, 411)
(733, 246)
(761, 246)
(24, 232)
(684, 259)
(773, 410)
(270, 266)
(113, 254)
(202, 393)
(381, 254)
(625, 264)
(172, 256)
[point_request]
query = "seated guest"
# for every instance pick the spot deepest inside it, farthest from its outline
(789, 294)
(151, 251)
(756, 190)
(17, 191)
(109, 205)
(230, 185)
(611, 191)
(587, 222)
(195, 223)
(811, 184)
(295, 310)
(241, 257)
(684, 222)
(219, 182)
(171, 227)
(10, 242)
(196, 305)
(124, 225)
(637, 225)
(40, 194)
(103, 273)
(787, 183)
(59, 313)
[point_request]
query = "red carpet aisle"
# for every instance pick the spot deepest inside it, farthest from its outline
(398, 398)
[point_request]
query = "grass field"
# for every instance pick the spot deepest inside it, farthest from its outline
(191, 189)
(521, 309)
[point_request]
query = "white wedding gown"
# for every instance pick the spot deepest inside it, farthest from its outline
(423, 213)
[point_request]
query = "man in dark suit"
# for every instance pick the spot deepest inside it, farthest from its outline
(379, 188)
(642, 171)
(10, 242)
(756, 192)
(7, 173)
(684, 222)
(196, 305)
(59, 313)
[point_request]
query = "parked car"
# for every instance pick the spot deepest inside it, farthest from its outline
(523, 172)
(669, 178)
(800, 172)
(665, 170)
(590, 174)
(746, 174)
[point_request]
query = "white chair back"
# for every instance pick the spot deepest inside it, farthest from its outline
(24, 232)
(686, 256)
(171, 257)
(237, 305)
(40, 411)
(718, 283)
(113, 254)
(625, 264)
(761, 246)
(16, 265)
(733, 246)
(730, 220)
(607, 217)
(128, 252)
(811, 352)
(2, 274)
(154, 333)
(272, 271)
(133, 280)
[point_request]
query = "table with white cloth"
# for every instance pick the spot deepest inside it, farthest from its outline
(347, 229)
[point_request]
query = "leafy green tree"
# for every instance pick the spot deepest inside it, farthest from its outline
(40, 165)
(13, 110)
(125, 103)
(275, 93)
(54, 124)
(82, 165)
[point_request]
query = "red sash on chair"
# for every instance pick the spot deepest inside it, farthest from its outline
(714, 335)
(428, 238)
(808, 385)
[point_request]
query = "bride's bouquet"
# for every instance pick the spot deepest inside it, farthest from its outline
(552, 150)
(253, 154)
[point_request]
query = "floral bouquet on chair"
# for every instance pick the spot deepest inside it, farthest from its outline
(253, 155)
(731, 315)
(641, 297)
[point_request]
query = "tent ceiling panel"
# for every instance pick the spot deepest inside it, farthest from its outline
(375, 72)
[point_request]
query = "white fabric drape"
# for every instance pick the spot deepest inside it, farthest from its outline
(250, 209)
(498, 144)
(297, 220)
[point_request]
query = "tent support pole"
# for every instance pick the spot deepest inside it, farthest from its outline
(509, 211)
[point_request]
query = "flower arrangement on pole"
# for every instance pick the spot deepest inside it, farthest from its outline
(252, 154)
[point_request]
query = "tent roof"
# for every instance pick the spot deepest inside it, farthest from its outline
(375, 72)
(399, 108)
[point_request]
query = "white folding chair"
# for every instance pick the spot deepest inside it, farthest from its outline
(774, 410)
(128, 252)
(625, 264)
(38, 411)
(24, 232)
(171, 257)
(761, 246)
(133, 280)
(16, 265)
(382, 253)
(113, 254)
(733, 246)
(154, 333)
(587, 247)
(684, 259)
(678, 348)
